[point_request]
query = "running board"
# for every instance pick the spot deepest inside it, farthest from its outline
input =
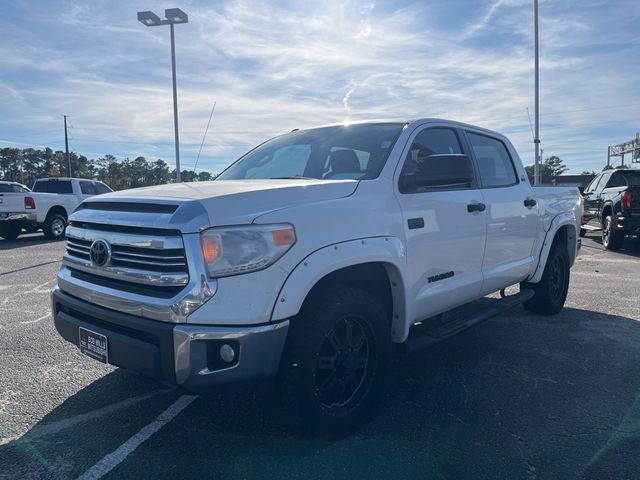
(591, 228)
(449, 329)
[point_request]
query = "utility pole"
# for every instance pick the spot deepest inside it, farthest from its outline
(66, 147)
(536, 139)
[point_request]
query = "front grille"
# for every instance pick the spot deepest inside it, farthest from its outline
(153, 264)
(149, 259)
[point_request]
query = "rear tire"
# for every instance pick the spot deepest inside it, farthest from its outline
(54, 226)
(10, 231)
(550, 292)
(335, 361)
(611, 238)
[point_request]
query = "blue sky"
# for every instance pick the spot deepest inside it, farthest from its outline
(272, 66)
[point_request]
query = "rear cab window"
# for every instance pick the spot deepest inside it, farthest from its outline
(53, 186)
(495, 165)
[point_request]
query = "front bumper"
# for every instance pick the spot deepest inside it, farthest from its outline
(18, 216)
(177, 354)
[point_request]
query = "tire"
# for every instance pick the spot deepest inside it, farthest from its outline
(551, 292)
(611, 238)
(54, 226)
(10, 231)
(583, 232)
(335, 361)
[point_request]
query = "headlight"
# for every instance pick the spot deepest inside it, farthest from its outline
(247, 248)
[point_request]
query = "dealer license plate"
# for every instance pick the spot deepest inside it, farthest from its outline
(93, 345)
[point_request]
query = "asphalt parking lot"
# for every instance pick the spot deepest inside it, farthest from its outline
(519, 396)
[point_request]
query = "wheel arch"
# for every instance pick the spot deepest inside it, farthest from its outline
(564, 230)
(373, 264)
(57, 209)
(607, 209)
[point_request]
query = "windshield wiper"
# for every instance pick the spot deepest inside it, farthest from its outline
(293, 177)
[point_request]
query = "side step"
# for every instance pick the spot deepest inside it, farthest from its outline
(590, 228)
(421, 339)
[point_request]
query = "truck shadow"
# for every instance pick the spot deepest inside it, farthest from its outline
(520, 396)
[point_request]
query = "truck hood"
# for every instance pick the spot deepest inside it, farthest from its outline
(203, 204)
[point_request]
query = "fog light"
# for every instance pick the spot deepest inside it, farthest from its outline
(227, 353)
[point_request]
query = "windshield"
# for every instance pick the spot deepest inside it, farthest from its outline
(355, 152)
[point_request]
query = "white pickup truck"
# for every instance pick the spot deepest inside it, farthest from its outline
(311, 257)
(47, 207)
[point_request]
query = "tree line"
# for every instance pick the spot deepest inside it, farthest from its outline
(28, 164)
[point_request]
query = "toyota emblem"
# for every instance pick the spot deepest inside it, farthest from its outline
(100, 253)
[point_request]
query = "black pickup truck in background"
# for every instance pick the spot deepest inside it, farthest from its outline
(612, 204)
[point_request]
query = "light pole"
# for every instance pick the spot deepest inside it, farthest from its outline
(172, 17)
(536, 140)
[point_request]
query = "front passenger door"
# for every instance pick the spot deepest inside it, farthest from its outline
(443, 222)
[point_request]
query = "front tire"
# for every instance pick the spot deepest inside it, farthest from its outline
(54, 226)
(335, 361)
(611, 238)
(550, 292)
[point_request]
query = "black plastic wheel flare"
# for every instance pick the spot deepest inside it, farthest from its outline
(343, 362)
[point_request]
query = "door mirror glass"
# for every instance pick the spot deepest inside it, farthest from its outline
(446, 171)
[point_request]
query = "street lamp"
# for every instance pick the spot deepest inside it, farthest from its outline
(172, 16)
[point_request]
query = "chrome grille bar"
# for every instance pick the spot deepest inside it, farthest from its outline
(150, 260)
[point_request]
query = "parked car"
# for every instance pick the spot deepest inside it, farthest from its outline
(47, 207)
(612, 204)
(311, 258)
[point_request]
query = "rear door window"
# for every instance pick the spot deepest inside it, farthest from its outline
(494, 162)
(616, 180)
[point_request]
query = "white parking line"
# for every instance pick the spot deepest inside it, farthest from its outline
(112, 460)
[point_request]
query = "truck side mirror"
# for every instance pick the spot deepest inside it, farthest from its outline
(436, 172)
(581, 188)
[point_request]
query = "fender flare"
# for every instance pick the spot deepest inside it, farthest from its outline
(609, 204)
(386, 250)
(562, 220)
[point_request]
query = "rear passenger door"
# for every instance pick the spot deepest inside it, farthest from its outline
(511, 213)
(444, 233)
